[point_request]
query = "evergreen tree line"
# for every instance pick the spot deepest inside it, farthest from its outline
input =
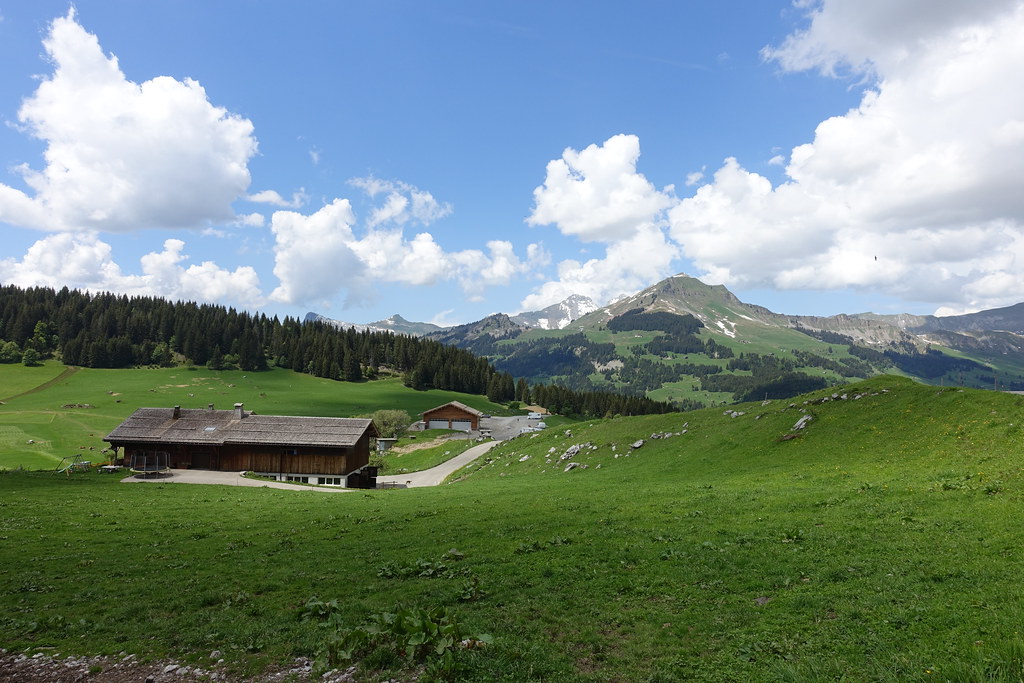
(117, 331)
(670, 323)
(566, 355)
(846, 367)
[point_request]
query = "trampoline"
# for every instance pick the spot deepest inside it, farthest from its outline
(152, 464)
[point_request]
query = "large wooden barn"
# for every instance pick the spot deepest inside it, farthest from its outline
(315, 450)
(453, 415)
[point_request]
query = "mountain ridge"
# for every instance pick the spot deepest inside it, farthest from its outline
(733, 349)
(998, 330)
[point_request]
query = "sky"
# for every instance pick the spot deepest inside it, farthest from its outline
(451, 159)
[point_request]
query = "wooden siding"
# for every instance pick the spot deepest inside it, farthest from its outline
(261, 458)
(449, 413)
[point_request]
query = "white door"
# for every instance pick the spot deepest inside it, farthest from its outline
(437, 424)
(462, 425)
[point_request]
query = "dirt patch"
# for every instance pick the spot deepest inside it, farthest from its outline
(418, 445)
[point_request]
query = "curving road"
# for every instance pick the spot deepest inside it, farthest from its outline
(436, 475)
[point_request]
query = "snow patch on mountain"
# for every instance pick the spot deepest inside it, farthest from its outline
(557, 316)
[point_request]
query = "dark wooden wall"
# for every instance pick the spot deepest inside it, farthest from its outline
(261, 458)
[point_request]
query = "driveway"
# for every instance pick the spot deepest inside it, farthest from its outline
(503, 428)
(436, 475)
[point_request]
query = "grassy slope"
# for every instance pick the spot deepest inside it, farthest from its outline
(415, 452)
(113, 394)
(882, 544)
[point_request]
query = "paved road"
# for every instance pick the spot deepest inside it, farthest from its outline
(436, 475)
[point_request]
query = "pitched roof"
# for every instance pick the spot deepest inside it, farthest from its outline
(456, 404)
(219, 427)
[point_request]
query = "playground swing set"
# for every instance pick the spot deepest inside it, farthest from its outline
(71, 464)
(144, 465)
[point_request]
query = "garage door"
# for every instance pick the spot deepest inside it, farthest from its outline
(438, 424)
(462, 425)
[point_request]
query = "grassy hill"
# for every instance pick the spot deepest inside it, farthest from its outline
(50, 412)
(881, 542)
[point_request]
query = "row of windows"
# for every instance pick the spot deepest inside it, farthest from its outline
(324, 481)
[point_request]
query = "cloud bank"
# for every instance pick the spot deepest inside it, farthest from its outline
(320, 256)
(123, 157)
(915, 192)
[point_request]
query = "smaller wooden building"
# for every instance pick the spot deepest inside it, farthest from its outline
(315, 450)
(453, 415)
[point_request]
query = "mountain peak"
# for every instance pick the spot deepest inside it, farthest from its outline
(557, 316)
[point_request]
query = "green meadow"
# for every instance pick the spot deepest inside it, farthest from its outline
(881, 542)
(49, 412)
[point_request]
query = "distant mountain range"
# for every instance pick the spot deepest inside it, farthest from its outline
(395, 323)
(554, 317)
(593, 349)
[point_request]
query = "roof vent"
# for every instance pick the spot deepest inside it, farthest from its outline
(210, 406)
(239, 414)
(176, 413)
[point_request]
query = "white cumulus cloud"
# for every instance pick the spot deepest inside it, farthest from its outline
(597, 195)
(313, 254)
(628, 266)
(403, 203)
(321, 255)
(273, 197)
(83, 261)
(915, 192)
(121, 156)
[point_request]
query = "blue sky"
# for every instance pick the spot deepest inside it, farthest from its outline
(448, 160)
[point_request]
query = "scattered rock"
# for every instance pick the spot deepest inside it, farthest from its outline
(762, 601)
(571, 451)
(637, 444)
(802, 422)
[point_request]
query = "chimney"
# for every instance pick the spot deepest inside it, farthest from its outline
(209, 406)
(239, 414)
(176, 413)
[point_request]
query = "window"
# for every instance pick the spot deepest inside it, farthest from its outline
(331, 481)
(289, 451)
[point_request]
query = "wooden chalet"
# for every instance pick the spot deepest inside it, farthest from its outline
(453, 415)
(317, 450)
